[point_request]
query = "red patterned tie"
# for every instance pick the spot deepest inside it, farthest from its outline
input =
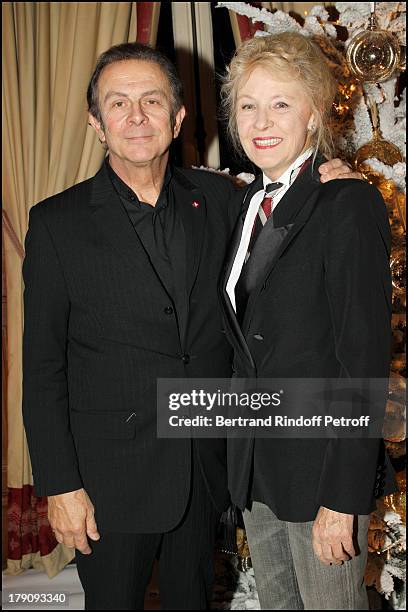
(266, 206)
(264, 212)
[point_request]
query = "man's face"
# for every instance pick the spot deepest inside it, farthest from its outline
(273, 117)
(135, 102)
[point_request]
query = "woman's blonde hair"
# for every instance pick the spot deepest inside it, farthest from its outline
(296, 56)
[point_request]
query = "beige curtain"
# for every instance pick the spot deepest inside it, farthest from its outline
(49, 52)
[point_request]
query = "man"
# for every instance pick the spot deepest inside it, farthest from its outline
(121, 277)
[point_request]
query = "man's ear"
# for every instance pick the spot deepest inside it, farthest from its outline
(97, 127)
(178, 121)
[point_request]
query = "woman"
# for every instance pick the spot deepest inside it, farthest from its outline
(306, 294)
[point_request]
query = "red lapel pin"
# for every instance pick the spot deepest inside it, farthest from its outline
(195, 204)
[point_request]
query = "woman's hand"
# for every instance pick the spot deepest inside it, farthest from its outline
(332, 536)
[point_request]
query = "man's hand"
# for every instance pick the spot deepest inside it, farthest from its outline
(71, 516)
(332, 536)
(337, 169)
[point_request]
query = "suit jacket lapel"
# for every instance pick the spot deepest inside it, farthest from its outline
(114, 223)
(237, 232)
(229, 312)
(191, 205)
(292, 212)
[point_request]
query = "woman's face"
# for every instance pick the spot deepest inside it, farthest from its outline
(273, 117)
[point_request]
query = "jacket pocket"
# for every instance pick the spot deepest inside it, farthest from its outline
(103, 425)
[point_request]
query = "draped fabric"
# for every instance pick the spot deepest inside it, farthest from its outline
(242, 27)
(147, 22)
(49, 53)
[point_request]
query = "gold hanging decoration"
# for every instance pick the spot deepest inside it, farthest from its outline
(383, 150)
(396, 502)
(398, 266)
(373, 55)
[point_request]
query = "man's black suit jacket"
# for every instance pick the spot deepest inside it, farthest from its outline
(320, 309)
(100, 327)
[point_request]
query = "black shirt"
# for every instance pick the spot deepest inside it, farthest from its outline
(160, 226)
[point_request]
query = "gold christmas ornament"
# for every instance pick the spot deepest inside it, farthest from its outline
(386, 152)
(396, 205)
(388, 190)
(398, 269)
(376, 540)
(244, 556)
(373, 55)
(398, 365)
(242, 543)
(396, 502)
(401, 479)
(394, 421)
(400, 207)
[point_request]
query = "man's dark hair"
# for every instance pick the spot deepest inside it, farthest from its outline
(137, 51)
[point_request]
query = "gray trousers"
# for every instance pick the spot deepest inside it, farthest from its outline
(288, 574)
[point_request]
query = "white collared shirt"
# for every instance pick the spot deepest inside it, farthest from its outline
(287, 178)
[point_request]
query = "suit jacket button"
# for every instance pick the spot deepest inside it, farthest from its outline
(168, 310)
(185, 359)
(258, 337)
